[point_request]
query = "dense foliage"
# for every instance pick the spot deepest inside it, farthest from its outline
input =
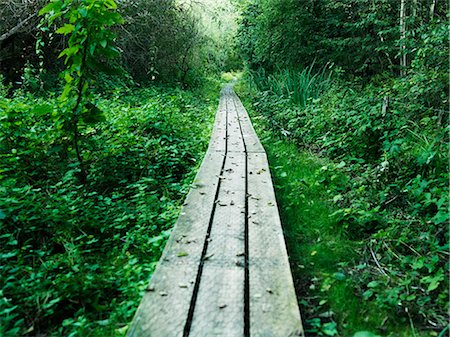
(361, 36)
(93, 167)
(159, 41)
(75, 257)
(387, 137)
(100, 139)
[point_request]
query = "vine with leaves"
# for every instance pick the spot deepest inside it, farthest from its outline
(90, 47)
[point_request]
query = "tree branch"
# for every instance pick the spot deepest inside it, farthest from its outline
(17, 28)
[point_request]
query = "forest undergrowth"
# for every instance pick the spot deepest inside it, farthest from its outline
(361, 174)
(352, 98)
(76, 257)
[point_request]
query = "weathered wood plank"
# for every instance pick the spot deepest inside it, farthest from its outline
(251, 139)
(219, 132)
(235, 139)
(167, 308)
(274, 310)
(164, 309)
(220, 301)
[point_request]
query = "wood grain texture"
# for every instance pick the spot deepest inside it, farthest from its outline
(235, 139)
(252, 142)
(219, 132)
(274, 310)
(164, 310)
(219, 310)
(197, 289)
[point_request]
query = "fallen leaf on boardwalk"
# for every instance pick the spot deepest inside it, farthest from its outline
(181, 254)
(150, 288)
(240, 254)
(163, 293)
(182, 285)
(270, 291)
(221, 306)
(261, 171)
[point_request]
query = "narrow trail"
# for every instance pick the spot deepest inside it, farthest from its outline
(225, 269)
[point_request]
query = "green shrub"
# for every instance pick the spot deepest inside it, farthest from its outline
(390, 139)
(76, 258)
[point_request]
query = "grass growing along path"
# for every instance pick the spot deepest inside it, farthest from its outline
(320, 251)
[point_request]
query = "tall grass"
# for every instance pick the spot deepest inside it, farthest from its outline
(297, 85)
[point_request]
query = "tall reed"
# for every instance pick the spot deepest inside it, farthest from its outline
(298, 85)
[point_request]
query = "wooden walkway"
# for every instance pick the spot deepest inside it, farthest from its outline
(225, 270)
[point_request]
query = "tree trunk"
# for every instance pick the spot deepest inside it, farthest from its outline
(432, 8)
(402, 37)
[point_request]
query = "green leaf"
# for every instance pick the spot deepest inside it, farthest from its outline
(66, 91)
(8, 255)
(435, 282)
(83, 11)
(341, 164)
(367, 294)
(103, 43)
(372, 284)
(110, 4)
(365, 334)
(330, 329)
(68, 78)
(52, 6)
(339, 276)
(66, 29)
(70, 51)
(441, 217)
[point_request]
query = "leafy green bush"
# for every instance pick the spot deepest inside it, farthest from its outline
(390, 139)
(76, 258)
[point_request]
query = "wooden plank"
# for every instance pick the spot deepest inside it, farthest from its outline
(274, 310)
(219, 310)
(219, 132)
(235, 139)
(164, 309)
(252, 142)
(219, 298)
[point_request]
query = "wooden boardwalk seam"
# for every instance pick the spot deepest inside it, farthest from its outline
(225, 269)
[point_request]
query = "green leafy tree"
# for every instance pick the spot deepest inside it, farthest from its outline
(90, 46)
